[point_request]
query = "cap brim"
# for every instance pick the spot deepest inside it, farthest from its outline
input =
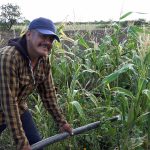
(48, 32)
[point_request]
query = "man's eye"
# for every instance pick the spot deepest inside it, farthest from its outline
(51, 38)
(45, 36)
(41, 36)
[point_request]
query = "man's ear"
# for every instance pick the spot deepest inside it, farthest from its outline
(28, 33)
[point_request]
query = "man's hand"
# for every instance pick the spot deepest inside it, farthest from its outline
(26, 148)
(66, 128)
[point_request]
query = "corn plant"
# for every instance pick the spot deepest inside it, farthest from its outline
(132, 97)
(100, 81)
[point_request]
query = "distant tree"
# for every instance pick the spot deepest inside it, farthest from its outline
(26, 22)
(10, 14)
(140, 22)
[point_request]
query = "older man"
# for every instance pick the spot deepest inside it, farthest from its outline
(24, 67)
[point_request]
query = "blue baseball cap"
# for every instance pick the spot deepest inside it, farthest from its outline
(44, 26)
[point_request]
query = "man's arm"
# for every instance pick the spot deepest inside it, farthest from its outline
(9, 86)
(48, 96)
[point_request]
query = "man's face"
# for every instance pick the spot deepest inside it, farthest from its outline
(38, 44)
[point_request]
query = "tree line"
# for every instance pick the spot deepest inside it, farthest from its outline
(11, 15)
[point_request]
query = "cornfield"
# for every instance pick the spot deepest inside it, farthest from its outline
(98, 81)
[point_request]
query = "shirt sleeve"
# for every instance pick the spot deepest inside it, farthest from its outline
(9, 86)
(47, 93)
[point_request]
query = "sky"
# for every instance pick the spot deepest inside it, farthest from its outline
(82, 10)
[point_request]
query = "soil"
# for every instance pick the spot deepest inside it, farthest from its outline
(5, 36)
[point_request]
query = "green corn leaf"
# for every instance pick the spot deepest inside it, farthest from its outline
(92, 98)
(131, 116)
(125, 15)
(143, 116)
(113, 76)
(123, 92)
(83, 42)
(78, 107)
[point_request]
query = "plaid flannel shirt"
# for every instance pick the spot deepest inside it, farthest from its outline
(17, 81)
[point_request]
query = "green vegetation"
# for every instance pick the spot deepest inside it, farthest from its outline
(97, 81)
(9, 16)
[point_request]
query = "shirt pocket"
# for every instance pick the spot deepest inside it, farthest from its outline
(25, 80)
(39, 78)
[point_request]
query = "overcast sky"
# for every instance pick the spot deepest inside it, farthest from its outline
(82, 10)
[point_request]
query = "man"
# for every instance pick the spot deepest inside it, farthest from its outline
(24, 67)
